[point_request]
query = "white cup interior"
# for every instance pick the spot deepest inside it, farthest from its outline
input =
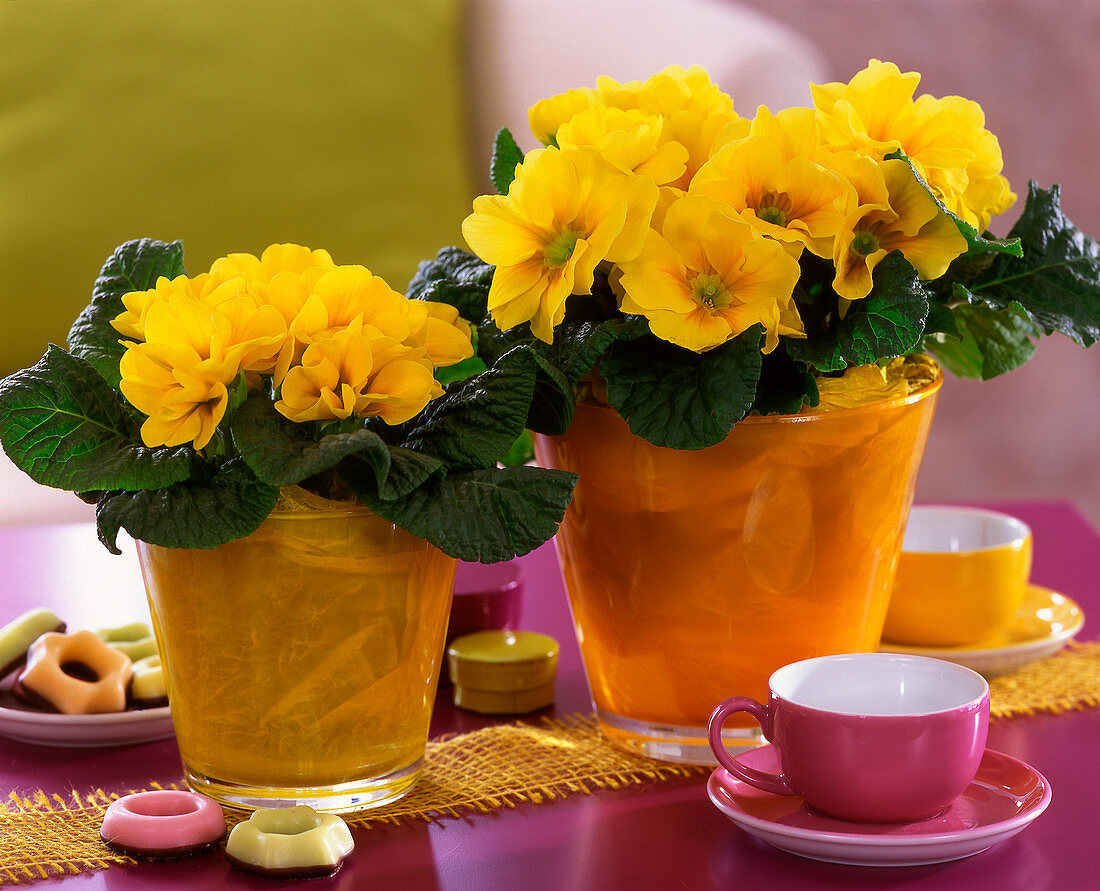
(878, 684)
(933, 529)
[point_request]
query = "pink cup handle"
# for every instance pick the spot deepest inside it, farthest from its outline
(769, 782)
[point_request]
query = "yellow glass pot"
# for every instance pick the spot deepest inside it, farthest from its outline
(302, 661)
(961, 577)
(693, 575)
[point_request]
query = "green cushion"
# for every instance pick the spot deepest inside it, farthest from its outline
(228, 124)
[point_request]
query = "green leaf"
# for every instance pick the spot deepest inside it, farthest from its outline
(456, 277)
(976, 243)
(229, 505)
(506, 157)
(1057, 283)
(282, 453)
(65, 427)
(576, 349)
(404, 471)
(888, 322)
(477, 420)
(485, 515)
(989, 342)
(785, 385)
(134, 266)
(682, 400)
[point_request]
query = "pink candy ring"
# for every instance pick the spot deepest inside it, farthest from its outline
(162, 824)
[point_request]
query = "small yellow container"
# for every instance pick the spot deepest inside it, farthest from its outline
(503, 672)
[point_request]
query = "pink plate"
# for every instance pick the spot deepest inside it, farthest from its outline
(1005, 797)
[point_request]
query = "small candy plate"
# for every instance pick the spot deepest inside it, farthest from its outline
(1045, 622)
(1004, 798)
(77, 731)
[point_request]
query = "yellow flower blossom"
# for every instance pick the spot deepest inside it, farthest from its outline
(790, 199)
(358, 372)
(547, 115)
(629, 139)
(895, 213)
(946, 139)
(708, 277)
(184, 395)
(695, 110)
(438, 328)
(205, 288)
(566, 211)
(345, 295)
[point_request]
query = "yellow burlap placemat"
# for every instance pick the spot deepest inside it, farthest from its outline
(47, 834)
(44, 834)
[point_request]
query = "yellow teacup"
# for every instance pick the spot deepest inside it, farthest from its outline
(962, 575)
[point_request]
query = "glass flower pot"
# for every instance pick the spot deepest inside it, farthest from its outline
(693, 575)
(302, 661)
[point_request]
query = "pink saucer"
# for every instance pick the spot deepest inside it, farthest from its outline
(1005, 797)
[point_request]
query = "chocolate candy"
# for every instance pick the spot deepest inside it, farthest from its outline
(17, 636)
(75, 674)
(162, 824)
(289, 843)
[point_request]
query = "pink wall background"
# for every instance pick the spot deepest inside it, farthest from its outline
(1034, 67)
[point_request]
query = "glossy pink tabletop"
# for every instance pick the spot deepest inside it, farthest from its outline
(658, 835)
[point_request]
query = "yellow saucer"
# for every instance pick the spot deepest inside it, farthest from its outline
(1043, 624)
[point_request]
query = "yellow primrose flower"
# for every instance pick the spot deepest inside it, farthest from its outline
(438, 328)
(946, 139)
(895, 213)
(275, 259)
(566, 211)
(708, 277)
(696, 112)
(346, 294)
(547, 115)
(630, 139)
(184, 394)
(204, 288)
(358, 372)
(790, 199)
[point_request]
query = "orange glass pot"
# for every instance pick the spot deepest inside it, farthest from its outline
(693, 575)
(302, 661)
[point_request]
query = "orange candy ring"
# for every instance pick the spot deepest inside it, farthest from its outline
(75, 674)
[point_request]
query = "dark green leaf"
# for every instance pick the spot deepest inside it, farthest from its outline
(456, 277)
(888, 322)
(282, 453)
(990, 342)
(941, 320)
(485, 515)
(477, 420)
(65, 427)
(405, 470)
(522, 451)
(678, 399)
(976, 243)
(785, 385)
(134, 266)
(1057, 283)
(506, 156)
(229, 505)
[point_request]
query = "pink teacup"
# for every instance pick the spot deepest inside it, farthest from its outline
(871, 737)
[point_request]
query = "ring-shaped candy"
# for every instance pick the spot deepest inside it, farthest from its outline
(51, 674)
(162, 824)
(289, 843)
(147, 689)
(17, 636)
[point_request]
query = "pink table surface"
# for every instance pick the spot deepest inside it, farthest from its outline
(657, 835)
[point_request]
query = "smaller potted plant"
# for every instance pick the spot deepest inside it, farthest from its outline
(278, 437)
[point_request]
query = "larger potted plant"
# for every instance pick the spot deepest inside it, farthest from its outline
(275, 436)
(730, 318)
